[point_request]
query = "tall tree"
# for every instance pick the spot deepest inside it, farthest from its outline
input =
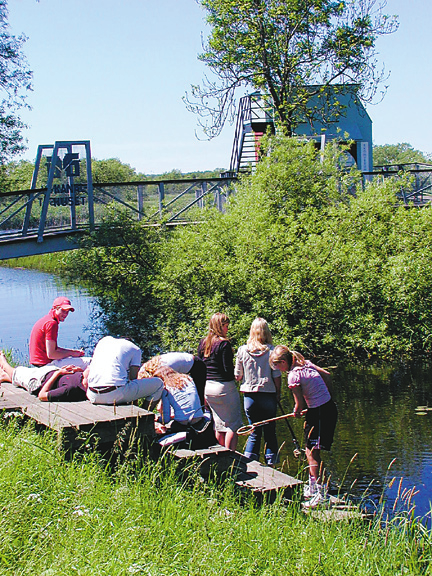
(15, 82)
(402, 153)
(294, 50)
(112, 170)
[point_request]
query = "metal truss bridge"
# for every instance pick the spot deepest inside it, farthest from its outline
(51, 219)
(43, 220)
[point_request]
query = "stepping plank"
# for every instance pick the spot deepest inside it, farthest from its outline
(248, 474)
(262, 478)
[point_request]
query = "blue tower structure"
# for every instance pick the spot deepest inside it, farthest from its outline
(336, 114)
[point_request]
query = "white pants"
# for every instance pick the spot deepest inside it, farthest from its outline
(81, 362)
(148, 388)
(30, 378)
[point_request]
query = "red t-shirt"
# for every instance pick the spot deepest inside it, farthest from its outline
(45, 329)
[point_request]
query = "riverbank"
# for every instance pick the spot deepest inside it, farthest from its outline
(80, 517)
(50, 263)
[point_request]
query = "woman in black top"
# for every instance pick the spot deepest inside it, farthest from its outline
(221, 392)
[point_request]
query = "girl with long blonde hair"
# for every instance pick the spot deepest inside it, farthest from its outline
(261, 387)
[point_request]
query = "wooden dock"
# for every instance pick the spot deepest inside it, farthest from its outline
(75, 421)
(249, 475)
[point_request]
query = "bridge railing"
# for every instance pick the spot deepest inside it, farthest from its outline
(418, 190)
(172, 201)
(30, 213)
(20, 213)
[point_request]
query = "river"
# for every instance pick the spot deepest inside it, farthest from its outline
(378, 425)
(26, 296)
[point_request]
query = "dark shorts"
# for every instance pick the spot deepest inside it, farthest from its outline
(320, 426)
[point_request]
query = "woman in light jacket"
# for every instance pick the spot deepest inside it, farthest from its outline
(261, 387)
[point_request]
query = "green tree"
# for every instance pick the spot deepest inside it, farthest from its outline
(335, 267)
(15, 82)
(395, 154)
(112, 170)
(292, 50)
(18, 175)
(240, 261)
(118, 263)
(334, 273)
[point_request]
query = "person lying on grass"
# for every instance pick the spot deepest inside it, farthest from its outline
(48, 383)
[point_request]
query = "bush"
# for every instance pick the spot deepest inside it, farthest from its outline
(334, 268)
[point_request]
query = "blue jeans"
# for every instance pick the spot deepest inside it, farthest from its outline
(261, 406)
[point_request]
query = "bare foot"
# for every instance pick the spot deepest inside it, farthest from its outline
(3, 360)
(4, 377)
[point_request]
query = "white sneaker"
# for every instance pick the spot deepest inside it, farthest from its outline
(318, 499)
(309, 490)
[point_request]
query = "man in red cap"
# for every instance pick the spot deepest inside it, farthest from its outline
(43, 337)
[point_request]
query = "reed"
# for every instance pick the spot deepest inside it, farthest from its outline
(50, 263)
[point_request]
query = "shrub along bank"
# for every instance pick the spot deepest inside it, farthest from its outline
(336, 269)
(333, 272)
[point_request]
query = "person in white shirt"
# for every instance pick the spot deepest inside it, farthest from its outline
(113, 374)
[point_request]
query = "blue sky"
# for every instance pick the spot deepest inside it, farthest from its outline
(114, 72)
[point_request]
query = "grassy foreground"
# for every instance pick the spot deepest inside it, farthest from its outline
(80, 517)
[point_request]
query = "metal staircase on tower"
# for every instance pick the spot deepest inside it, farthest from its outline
(254, 118)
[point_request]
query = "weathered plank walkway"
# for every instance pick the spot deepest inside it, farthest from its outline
(249, 475)
(75, 421)
(71, 419)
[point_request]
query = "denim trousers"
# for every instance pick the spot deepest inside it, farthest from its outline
(261, 406)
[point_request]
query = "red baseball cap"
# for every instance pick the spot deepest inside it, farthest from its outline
(64, 303)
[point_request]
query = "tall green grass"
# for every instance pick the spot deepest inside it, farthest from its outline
(85, 517)
(51, 263)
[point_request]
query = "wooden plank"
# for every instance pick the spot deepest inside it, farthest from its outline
(104, 424)
(262, 478)
(99, 412)
(94, 411)
(248, 474)
(55, 416)
(78, 415)
(8, 392)
(9, 401)
(52, 414)
(202, 453)
(337, 509)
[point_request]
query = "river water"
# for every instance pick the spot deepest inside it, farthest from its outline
(378, 425)
(26, 296)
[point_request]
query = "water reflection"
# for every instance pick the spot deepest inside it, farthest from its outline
(378, 422)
